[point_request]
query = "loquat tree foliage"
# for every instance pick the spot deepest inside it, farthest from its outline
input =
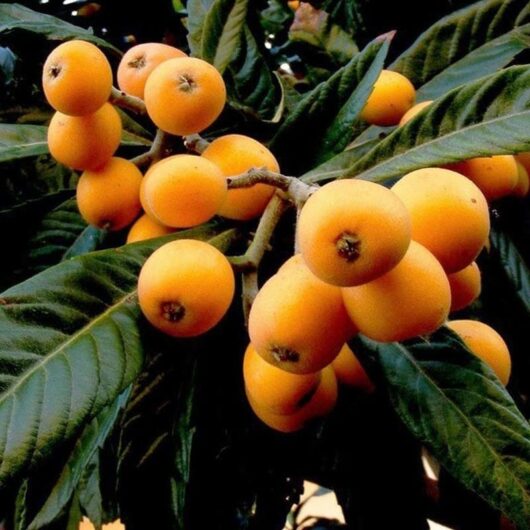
(238, 266)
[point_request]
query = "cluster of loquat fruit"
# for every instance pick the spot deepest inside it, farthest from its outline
(389, 263)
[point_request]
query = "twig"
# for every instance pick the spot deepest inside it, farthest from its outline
(295, 190)
(157, 151)
(248, 263)
(125, 101)
(196, 143)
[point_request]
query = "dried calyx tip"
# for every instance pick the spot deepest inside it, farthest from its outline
(348, 246)
(173, 311)
(282, 354)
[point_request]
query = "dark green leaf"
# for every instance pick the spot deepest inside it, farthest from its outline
(29, 182)
(489, 58)
(69, 344)
(223, 25)
(253, 87)
(60, 235)
(329, 111)
(489, 116)
(513, 264)
(336, 166)
(197, 11)
(455, 36)
(452, 402)
(316, 28)
(90, 496)
(274, 19)
(90, 440)
(346, 13)
(20, 141)
(18, 17)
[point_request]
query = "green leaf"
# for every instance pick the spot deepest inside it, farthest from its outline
(455, 36)
(513, 264)
(322, 123)
(252, 86)
(223, 25)
(489, 116)
(60, 235)
(87, 445)
(31, 182)
(90, 495)
(453, 403)
(69, 344)
(336, 166)
(489, 58)
(15, 17)
(21, 141)
(274, 19)
(197, 11)
(316, 28)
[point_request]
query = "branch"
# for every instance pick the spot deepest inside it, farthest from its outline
(125, 101)
(248, 263)
(157, 151)
(196, 143)
(295, 190)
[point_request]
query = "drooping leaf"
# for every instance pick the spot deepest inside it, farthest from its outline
(275, 17)
(455, 36)
(197, 11)
(329, 110)
(223, 26)
(31, 182)
(87, 445)
(69, 344)
(160, 399)
(90, 495)
(346, 13)
(60, 235)
(514, 266)
(21, 141)
(489, 116)
(315, 27)
(16, 17)
(253, 87)
(452, 402)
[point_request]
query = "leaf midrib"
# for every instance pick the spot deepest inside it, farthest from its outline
(60, 350)
(433, 141)
(459, 411)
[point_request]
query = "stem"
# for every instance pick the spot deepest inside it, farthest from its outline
(157, 151)
(248, 263)
(125, 101)
(196, 143)
(295, 190)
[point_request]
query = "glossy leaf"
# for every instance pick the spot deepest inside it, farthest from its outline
(253, 87)
(15, 17)
(90, 440)
(321, 125)
(489, 116)
(69, 344)
(197, 10)
(223, 25)
(454, 404)
(455, 36)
